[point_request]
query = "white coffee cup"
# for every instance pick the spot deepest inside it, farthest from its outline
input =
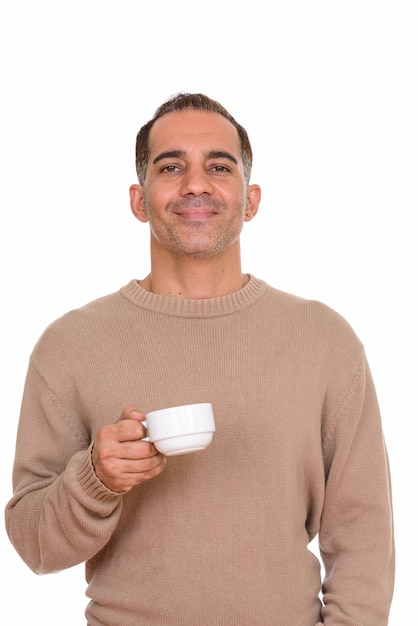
(181, 429)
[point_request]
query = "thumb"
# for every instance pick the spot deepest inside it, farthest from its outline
(131, 412)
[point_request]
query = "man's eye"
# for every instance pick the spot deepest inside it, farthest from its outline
(169, 168)
(220, 168)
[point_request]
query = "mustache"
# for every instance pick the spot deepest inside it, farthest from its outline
(196, 203)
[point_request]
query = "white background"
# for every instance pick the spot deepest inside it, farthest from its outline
(328, 93)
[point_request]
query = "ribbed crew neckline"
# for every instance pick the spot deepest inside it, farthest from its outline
(195, 307)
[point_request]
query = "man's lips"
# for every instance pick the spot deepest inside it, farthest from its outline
(196, 209)
(196, 213)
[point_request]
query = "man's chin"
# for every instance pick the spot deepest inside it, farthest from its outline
(196, 253)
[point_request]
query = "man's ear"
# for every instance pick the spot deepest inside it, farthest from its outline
(253, 201)
(136, 195)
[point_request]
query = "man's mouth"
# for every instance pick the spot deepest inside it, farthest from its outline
(196, 209)
(197, 214)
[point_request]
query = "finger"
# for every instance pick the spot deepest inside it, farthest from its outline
(141, 465)
(136, 450)
(131, 412)
(124, 430)
(130, 429)
(135, 473)
(131, 432)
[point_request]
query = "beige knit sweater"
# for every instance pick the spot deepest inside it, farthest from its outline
(221, 537)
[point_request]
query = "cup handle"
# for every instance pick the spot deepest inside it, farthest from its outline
(145, 425)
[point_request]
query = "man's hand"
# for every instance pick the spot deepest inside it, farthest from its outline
(120, 458)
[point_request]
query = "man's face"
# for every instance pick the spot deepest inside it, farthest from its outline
(195, 194)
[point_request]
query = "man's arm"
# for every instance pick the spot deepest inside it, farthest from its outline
(356, 535)
(62, 512)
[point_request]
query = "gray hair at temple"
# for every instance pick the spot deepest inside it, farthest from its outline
(197, 102)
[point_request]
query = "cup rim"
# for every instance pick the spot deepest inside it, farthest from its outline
(179, 407)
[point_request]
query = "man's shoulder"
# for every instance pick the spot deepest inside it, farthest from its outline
(312, 315)
(79, 324)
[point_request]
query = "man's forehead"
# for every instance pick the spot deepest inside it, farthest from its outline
(190, 129)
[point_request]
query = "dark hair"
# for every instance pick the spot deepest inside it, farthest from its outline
(197, 102)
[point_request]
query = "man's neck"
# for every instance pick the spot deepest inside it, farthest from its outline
(195, 278)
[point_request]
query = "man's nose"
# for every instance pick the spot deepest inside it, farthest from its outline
(196, 181)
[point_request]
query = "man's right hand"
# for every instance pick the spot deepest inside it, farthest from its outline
(120, 457)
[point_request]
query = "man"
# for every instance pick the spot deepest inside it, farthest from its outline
(218, 537)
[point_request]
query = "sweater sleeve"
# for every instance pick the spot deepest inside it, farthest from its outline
(356, 536)
(60, 514)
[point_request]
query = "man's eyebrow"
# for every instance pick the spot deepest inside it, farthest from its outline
(221, 154)
(171, 154)
(212, 154)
